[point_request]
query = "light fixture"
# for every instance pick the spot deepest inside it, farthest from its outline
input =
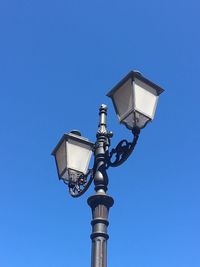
(72, 155)
(135, 99)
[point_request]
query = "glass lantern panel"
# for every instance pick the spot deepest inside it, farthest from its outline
(135, 119)
(78, 156)
(141, 120)
(61, 158)
(123, 99)
(65, 175)
(129, 121)
(145, 98)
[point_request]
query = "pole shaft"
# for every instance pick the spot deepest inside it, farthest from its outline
(100, 205)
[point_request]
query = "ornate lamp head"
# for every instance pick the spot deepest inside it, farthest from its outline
(135, 99)
(72, 155)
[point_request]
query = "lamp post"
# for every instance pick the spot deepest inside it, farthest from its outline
(135, 99)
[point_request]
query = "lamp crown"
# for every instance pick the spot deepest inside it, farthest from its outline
(76, 132)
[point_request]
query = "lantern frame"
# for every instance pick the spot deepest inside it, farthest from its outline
(73, 174)
(132, 76)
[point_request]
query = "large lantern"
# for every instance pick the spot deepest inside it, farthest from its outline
(135, 99)
(72, 155)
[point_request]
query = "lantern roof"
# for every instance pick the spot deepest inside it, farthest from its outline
(73, 135)
(132, 75)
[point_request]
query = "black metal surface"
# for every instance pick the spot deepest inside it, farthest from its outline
(101, 146)
(122, 151)
(100, 205)
(81, 185)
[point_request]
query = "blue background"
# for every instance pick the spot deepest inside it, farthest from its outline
(58, 59)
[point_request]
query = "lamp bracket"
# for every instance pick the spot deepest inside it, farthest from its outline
(79, 186)
(122, 151)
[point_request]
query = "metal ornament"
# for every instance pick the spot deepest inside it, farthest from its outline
(122, 151)
(79, 185)
(78, 182)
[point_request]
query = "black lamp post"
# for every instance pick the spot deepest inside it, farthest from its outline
(135, 99)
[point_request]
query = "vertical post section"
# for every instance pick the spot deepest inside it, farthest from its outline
(100, 205)
(102, 118)
(100, 175)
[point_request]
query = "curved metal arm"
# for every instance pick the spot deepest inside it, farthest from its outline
(123, 150)
(78, 188)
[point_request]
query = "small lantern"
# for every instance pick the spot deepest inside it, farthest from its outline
(72, 155)
(135, 99)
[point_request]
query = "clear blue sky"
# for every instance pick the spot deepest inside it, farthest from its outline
(58, 59)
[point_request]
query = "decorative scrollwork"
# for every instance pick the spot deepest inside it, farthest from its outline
(122, 151)
(78, 185)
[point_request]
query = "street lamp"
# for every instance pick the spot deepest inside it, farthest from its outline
(72, 155)
(135, 99)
